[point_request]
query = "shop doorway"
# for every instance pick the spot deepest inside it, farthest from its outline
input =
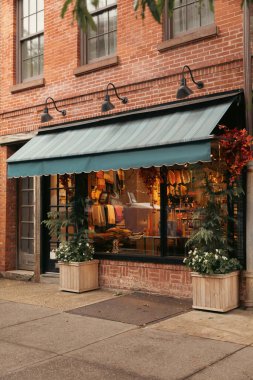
(26, 224)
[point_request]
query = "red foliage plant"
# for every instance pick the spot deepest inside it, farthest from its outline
(236, 148)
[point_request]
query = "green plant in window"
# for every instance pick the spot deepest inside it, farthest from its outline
(78, 247)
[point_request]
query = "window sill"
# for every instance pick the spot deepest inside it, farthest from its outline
(98, 65)
(186, 38)
(27, 85)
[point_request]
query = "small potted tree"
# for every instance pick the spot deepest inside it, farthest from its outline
(215, 276)
(78, 269)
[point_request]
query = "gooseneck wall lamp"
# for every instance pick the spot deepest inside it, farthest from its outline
(184, 90)
(45, 116)
(107, 105)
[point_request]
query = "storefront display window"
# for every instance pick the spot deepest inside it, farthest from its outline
(147, 212)
(126, 211)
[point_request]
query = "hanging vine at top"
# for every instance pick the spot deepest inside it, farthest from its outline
(81, 14)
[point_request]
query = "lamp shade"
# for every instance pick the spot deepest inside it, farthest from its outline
(183, 92)
(107, 105)
(45, 116)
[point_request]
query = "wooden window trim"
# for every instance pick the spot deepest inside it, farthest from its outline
(97, 65)
(186, 38)
(29, 85)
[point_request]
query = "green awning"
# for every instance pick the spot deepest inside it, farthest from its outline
(178, 137)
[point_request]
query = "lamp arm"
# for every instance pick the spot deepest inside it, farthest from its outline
(115, 90)
(188, 68)
(55, 106)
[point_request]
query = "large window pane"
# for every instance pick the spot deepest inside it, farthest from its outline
(113, 20)
(92, 49)
(32, 24)
(123, 215)
(35, 66)
(25, 27)
(112, 42)
(41, 45)
(102, 42)
(111, 2)
(32, 6)
(34, 47)
(25, 214)
(40, 5)
(189, 15)
(103, 23)
(193, 16)
(26, 69)
(25, 8)
(93, 32)
(102, 47)
(179, 21)
(207, 16)
(40, 21)
(24, 245)
(26, 49)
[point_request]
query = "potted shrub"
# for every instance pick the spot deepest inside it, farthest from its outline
(215, 280)
(78, 270)
(215, 276)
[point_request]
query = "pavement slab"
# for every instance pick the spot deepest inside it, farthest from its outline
(235, 326)
(155, 354)
(48, 295)
(136, 308)
(14, 357)
(71, 368)
(13, 313)
(238, 366)
(62, 332)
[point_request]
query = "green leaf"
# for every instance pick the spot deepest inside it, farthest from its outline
(136, 5)
(65, 7)
(171, 4)
(154, 10)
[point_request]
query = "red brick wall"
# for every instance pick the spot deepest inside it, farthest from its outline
(171, 280)
(145, 75)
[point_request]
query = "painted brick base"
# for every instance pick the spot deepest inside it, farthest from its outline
(171, 280)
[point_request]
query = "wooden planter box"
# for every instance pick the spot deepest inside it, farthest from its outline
(79, 277)
(218, 292)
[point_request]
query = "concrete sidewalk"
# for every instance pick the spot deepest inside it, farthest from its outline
(38, 339)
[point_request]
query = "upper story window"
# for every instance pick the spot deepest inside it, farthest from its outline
(102, 42)
(188, 16)
(31, 39)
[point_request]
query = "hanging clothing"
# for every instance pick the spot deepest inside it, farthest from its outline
(118, 213)
(98, 216)
(110, 214)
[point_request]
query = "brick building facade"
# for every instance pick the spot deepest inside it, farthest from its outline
(146, 67)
